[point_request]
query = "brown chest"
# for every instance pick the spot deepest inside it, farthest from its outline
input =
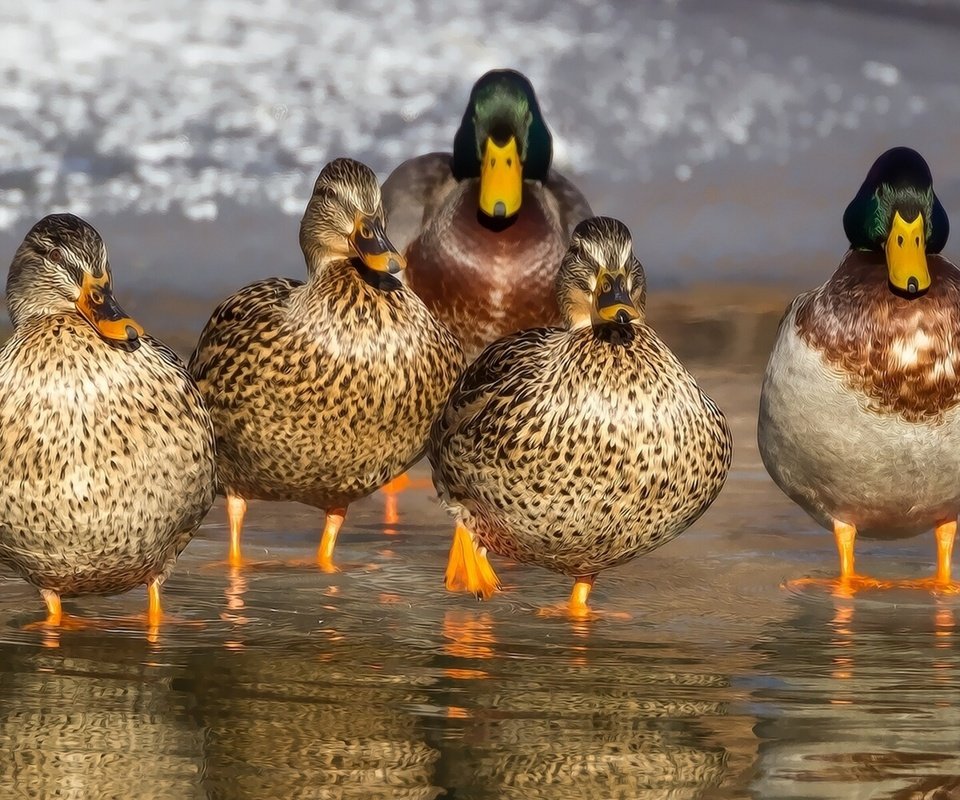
(485, 278)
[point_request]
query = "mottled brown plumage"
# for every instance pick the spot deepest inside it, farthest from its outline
(323, 391)
(901, 353)
(106, 448)
(485, 277)
(579, 448)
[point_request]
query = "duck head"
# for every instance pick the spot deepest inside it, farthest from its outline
(345, 220)
(897, 212)
(502, 140)
(600, 281)
(62, 267)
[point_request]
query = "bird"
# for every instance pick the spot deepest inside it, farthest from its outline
(107, 450)
(859, 421)
(322, 391)
(484, 228)
(576, 448)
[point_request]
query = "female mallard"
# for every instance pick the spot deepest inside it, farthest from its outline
(859, 419)
(483, 229)
(323, 391)
(107, 450)
(577, 448)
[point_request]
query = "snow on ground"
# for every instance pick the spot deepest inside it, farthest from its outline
(137, 105)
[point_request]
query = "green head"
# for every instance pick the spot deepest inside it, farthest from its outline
(897, 212)
(502, 140)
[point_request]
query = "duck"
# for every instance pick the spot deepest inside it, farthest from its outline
(859, 419)
(107, 449)
(577, 447)
(322, 391)
(483, 228)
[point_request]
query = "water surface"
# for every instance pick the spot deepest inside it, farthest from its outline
(279, 681)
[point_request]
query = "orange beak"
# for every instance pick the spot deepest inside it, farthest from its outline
(370, 241)
(97, 306)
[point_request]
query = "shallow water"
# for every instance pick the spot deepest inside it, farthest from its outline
(278, 681)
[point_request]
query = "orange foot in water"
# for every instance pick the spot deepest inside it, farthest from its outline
(842, 586)
(468, 569)
(576, 608)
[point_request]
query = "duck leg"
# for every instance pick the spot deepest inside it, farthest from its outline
(578, 597)
(328, 541)
(849, 582)
(577, 609)
(236, 510)
(942, 582)
(390, 490)
(154, 607)
(945, 534)
(468, 568)
(54, 608)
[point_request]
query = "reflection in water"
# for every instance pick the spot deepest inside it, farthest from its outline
(573, 720)
(310, 723)
(866, 703)
(82, 722)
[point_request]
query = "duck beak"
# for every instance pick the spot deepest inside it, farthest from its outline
(906, 250)
(370, 241)
(98, 306)
(613, 301)
(501, 179)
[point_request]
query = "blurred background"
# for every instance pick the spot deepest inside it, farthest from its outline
(728, 135)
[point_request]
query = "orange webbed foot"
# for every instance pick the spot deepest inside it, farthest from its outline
(468, 569)
(842, 586)
(934, 585)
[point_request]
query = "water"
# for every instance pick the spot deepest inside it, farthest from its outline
(278, 681)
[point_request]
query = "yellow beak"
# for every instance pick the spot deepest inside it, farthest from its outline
(501, 179)
(97, 306)
(613, 301)
(906, 250)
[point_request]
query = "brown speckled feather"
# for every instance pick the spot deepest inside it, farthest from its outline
(579, 449)
(902, 353)
(323, 391)
(107, 457)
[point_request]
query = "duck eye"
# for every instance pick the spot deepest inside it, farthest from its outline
(96, 297)
(365, 231)
(606, 285)
(55, 255)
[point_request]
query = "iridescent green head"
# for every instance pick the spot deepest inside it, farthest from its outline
(502, 140)
(897, 212)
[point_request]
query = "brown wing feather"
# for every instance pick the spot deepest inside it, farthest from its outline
(411, 193)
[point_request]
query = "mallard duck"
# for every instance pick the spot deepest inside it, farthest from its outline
(485, 227)
(107, 451)
(859, 419)
(323, 391)
(577, 448)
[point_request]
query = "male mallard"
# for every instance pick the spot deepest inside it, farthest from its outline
(323, 391)
(859, 418)
(577, 448)
(484, 229)
(106, 451)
